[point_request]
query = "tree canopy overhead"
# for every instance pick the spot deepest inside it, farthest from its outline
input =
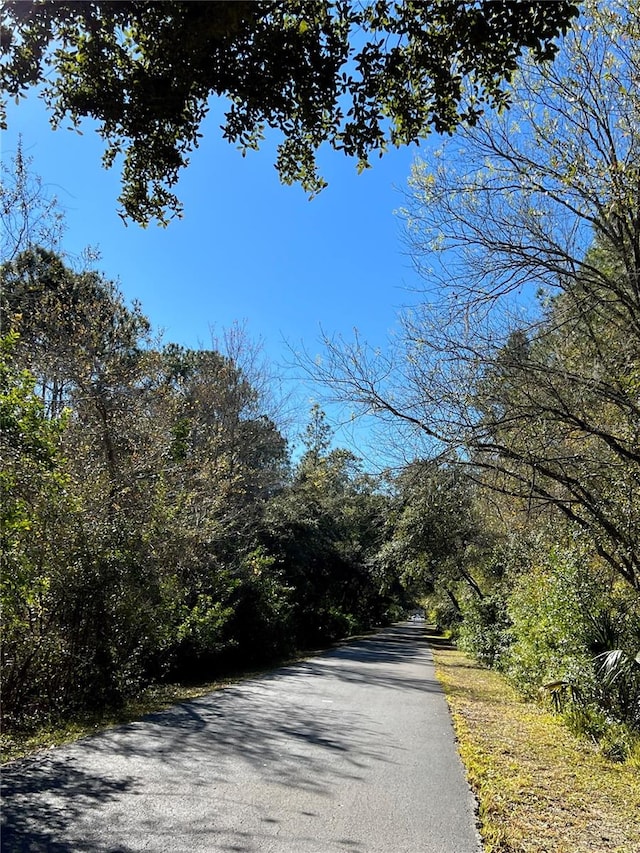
(523, 354)
(358, 76)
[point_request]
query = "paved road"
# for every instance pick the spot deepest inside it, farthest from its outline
(351, 751)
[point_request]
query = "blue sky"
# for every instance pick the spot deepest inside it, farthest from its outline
(248, 249)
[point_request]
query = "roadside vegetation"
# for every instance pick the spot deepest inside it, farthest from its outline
(517, 373)
(539, 787)
(155, 528)
(158, 527)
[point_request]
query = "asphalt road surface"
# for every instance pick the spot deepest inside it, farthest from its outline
(351, 751)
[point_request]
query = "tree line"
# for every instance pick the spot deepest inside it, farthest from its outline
(516, 378)
(153, 523)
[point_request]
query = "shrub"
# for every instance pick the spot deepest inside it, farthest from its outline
(550, 608)
(484, 631)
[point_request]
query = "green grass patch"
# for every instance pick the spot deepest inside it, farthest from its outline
(540, 788)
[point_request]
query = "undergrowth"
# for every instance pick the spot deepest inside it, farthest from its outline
(541, 788)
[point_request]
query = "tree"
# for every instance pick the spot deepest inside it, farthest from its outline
(323, 531)
(34, 500)
(28, 215)
(227, 456)
(435, 532)
(71, 324)
(523, 358)
(87, 351)
(135, 479)
(559, 431)
(359, 76)
(316, 439)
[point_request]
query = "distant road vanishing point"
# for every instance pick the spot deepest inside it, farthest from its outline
(351, 751)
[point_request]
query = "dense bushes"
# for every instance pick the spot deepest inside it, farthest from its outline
(566, 631)
(484, 626)
(550, 607)
(153, 525)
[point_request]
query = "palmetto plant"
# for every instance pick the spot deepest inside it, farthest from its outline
(619, 674)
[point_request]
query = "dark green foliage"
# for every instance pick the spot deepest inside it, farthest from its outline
(151, 527)
(262, 620)
(33, 500)
(573, 638)
(360, 76)
(434, 539)
(614, 640)
(484, 630)
(323, 532)
(550, 607)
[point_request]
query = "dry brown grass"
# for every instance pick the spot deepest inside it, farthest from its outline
(540, 789)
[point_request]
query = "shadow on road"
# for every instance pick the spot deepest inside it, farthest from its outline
(398, 644)
(280, 726)
(43, 797)
(252, 724)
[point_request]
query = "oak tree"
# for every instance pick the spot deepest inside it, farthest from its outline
(360, 77)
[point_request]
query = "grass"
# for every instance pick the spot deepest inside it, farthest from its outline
(16, 745)
(540, 789)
